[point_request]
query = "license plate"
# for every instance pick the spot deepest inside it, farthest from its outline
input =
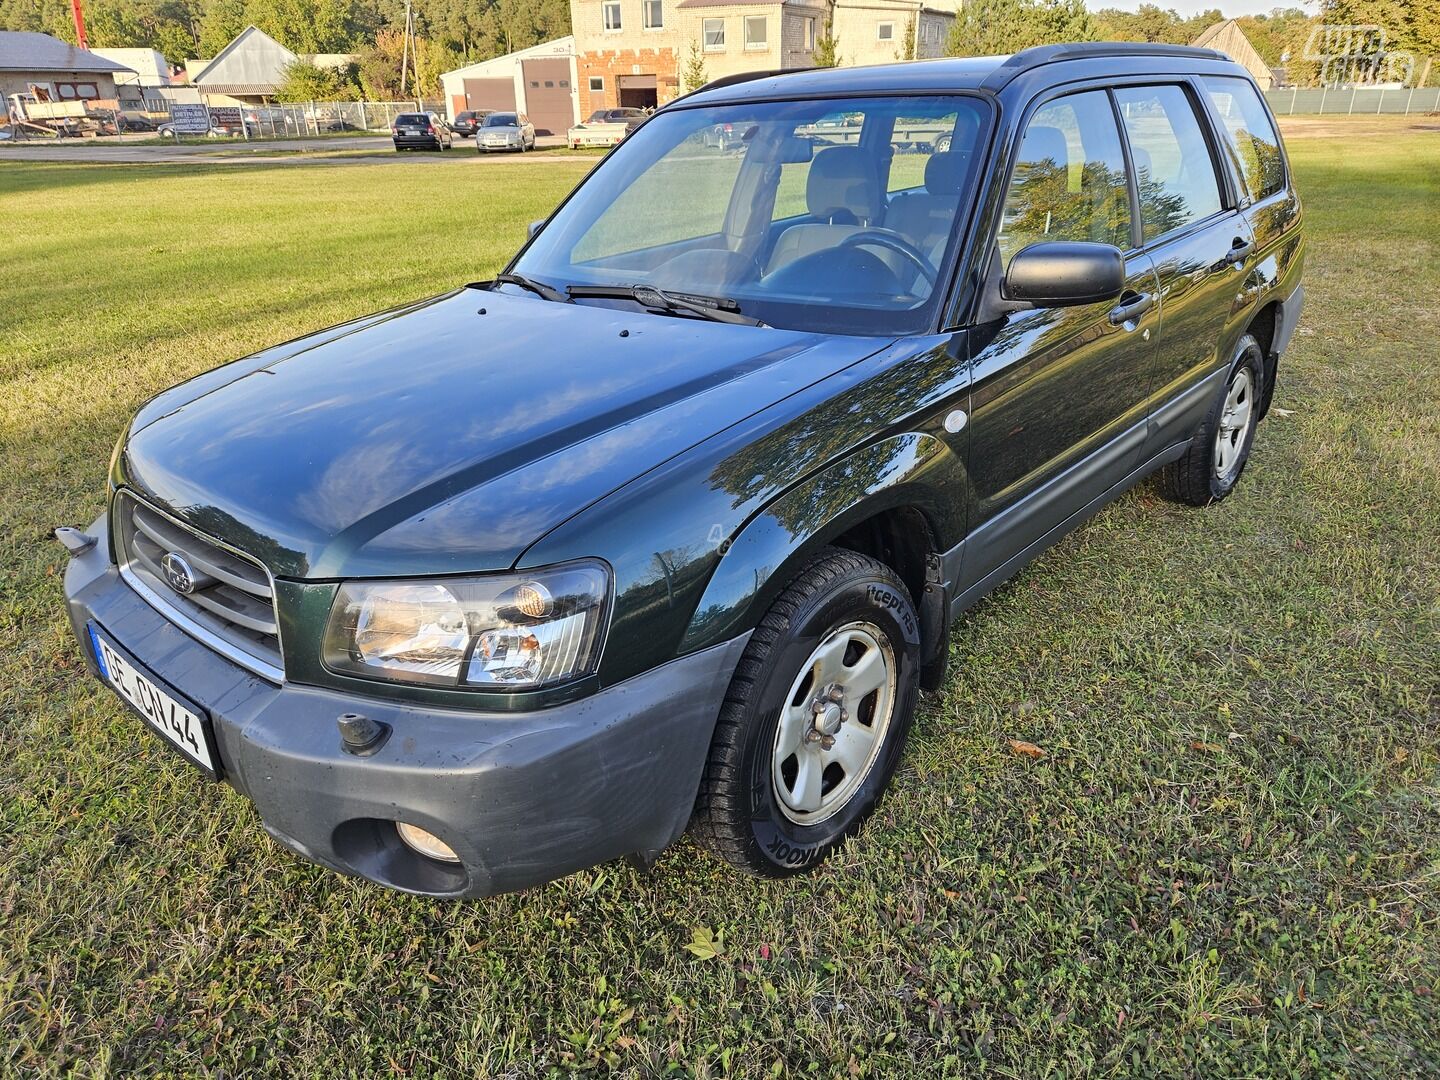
(181, 722)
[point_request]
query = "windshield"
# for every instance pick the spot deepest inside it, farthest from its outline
(500, 119)
(835, 215)
(412, 118)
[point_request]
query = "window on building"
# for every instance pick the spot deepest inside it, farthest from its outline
(1173, 169)
(808, 32)
(757, 35)
(654, 14)
(597, 84)
(885, 31)
(611, 12)
(714, 34)
(72, 91)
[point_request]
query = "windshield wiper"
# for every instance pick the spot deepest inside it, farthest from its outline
(539, 288)
(714, 308)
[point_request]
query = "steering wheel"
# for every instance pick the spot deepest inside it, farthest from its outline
(882, 238)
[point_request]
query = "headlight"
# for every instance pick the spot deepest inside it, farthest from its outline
(497, 632)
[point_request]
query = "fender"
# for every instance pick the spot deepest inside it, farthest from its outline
(910, 470)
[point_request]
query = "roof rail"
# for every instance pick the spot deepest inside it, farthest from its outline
(732, 80)
(1035, 57)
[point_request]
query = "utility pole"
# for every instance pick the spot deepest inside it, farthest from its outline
(79, 15)
(409, 56)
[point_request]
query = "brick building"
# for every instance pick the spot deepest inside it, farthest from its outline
(635, 52)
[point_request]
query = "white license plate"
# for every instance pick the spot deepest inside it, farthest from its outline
(176, 720)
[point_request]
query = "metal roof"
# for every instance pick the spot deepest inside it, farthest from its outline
(23, 50)
(254, 63)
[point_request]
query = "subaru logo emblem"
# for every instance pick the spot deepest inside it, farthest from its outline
(178, 573)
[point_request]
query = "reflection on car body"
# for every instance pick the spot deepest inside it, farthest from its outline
(663, 528)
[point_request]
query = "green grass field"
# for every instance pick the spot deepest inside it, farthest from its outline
(1226, 864)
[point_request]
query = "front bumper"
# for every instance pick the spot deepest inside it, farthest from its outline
(523, 798)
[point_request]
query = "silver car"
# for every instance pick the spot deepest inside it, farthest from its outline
(505, 131)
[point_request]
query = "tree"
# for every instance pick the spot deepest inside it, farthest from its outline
(1411, 26)
(305, 81)
(827, 45)
(991, 27)
(693, 71)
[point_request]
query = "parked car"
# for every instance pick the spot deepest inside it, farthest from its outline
(505, 131)
(420, 131)
(167, 131)
(468, 122)
(606, 127)
(131, 120)
(659, 530)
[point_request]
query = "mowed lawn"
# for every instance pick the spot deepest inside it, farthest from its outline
(1227, 863)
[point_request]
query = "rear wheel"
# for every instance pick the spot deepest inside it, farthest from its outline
(814, 721)
(1211, 467)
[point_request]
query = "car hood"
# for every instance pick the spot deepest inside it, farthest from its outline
(448, 436)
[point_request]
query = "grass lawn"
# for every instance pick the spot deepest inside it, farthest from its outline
(1226, 864)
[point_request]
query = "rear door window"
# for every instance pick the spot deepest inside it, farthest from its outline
(1250, 132)
(1174, 171)
(1069, 179)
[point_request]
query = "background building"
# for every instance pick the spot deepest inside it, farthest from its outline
(539, 81)
(1228, 38)
(139, 88)
(636, 52)
(53, 70)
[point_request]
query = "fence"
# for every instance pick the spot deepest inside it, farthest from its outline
(1357, 101)
(313, 117)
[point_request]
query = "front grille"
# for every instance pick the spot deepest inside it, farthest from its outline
(230, 600)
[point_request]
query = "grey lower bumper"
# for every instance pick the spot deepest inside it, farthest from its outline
(523, 798)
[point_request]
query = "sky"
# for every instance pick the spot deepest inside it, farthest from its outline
(1231, 8)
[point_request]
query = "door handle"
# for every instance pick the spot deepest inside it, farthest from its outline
(1240, 250)
(1132, 306)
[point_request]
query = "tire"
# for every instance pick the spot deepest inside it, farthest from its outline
(764, 808)
(1212, 465)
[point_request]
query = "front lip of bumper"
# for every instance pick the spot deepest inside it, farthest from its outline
(523, 798)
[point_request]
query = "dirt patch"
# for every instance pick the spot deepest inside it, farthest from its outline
(1348, 126)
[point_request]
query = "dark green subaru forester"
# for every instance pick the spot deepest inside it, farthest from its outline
(665, 526)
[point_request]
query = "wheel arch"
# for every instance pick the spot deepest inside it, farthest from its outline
(895, 500)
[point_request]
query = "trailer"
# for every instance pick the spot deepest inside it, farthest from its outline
(64, 119)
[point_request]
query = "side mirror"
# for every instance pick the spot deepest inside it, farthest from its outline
(1065, 273)
(534, 227)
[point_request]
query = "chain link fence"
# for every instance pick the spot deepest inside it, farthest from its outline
(1356, 101)
(278, 121)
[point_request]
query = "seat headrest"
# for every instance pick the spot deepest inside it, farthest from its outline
(945, 172)
(843, 183)
(1045, 143)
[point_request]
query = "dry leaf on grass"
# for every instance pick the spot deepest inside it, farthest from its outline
(1029, 749)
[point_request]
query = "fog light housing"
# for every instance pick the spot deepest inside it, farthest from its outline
(426, 843)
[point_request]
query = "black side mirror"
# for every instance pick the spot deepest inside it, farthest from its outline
(1065, 273)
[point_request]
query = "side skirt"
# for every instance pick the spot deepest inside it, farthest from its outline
(1015, 563)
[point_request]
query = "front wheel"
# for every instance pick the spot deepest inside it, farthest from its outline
(816, 716)
(1210, 468)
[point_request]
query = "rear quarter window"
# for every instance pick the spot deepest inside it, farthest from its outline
(1250, 133)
